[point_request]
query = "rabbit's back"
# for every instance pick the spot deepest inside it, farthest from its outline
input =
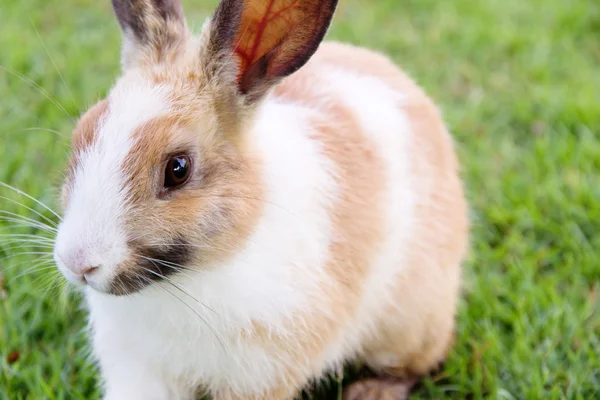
(399, 218)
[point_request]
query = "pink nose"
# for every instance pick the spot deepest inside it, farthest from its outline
(78, 264)
(87, 271)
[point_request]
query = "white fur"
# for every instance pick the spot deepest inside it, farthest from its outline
(161, 343)
(91, 234)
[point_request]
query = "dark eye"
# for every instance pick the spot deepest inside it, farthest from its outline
(177, 172)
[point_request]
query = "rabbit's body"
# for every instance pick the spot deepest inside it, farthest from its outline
(323, 224)
(355, 254)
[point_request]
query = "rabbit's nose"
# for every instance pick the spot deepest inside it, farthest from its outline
(88, 271)
(77, 263)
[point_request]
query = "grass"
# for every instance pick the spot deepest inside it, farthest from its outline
(519, 84)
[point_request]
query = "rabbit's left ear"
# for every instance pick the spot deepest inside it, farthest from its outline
(152, 29)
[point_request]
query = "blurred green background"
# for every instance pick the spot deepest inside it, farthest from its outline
(519, 84)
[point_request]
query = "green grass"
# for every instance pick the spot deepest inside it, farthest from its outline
(519, 84)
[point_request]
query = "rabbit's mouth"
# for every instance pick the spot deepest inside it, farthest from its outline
(149, 264)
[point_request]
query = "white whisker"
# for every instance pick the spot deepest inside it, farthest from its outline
(53, 63)
(24, 236)
(168, 264)
(43, 266)
(20, 222)
(217, 336)
(27, 253)
(7, 186)
(24, 246)
(52, 223)
(38, 88)
(42, 130)
(53, 282)
(18, 265)
(178, 287)
(233, 251)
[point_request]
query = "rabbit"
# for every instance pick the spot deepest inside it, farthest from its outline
(251, 208)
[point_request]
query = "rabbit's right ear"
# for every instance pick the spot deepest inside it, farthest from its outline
(153, 30)
(267, 39)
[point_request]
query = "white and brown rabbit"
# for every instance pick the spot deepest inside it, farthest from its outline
(250, 209)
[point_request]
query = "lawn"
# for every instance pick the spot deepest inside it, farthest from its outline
(519, 84)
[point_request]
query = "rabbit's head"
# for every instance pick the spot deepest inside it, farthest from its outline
(163, 175)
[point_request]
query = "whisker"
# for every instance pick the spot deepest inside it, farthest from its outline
(16, 236)
(200, 246)
(11, 246)
(42, 130)
(233, 251)
(138, 237)
(217, 336)
(38, 88)
(178, 287)
(27, 219)
(7, 186)
(53, 282)
(52, 223)
(27, 253)
(168, 264)
(120, 284)
(11, 267)
(23, 246)
(53, 63)
(170, 315)
(252, 198)
(37, 268)
(173, 284)
(19, 222)
(162, 262)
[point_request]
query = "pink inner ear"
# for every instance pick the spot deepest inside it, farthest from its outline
(249, 55)
(265, 25)
(276, 37)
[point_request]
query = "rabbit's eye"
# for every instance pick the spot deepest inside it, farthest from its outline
(177, 172)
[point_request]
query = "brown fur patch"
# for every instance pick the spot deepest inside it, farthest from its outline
(86, 130)
(216, 209)
(421, 335)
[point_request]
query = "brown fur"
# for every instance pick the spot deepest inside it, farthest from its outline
(86, 130)
(440, 242)
(220, 204)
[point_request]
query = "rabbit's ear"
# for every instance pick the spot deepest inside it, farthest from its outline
(153, 29)
(269, 39)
